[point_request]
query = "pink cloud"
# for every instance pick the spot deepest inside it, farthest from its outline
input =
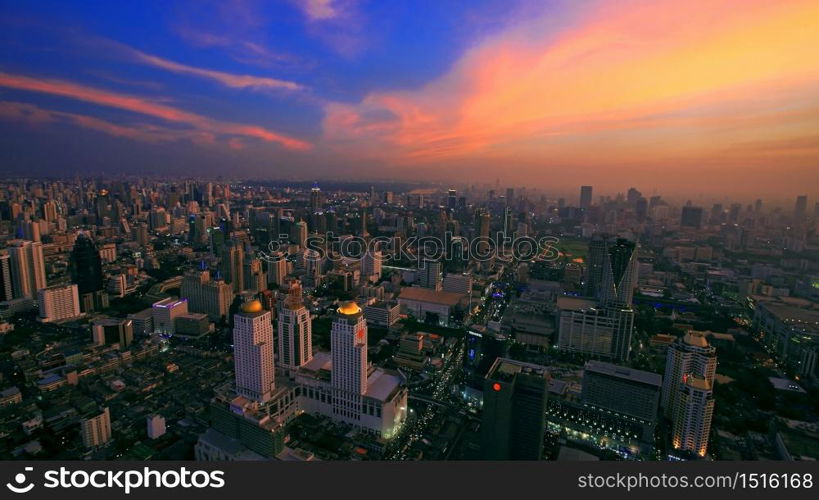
(37, 116)
(148, 108)
(236, 144)
(626, 81)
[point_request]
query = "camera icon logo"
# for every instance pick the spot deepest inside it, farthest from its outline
(20, 480)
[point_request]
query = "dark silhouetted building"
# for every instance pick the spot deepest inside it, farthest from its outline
(86, 273)
(800, 211)
(691, 217)
(585, 197)
(514, 411)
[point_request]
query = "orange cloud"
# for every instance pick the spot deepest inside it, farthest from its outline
(148, 108)
(631, 82)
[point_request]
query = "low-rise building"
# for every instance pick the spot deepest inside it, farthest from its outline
(429, 305)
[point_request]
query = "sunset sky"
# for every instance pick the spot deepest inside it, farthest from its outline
(666, 95)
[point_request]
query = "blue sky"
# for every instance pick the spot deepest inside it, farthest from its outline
(333, 51)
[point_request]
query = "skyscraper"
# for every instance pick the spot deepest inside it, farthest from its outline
(276, 269)
(253, 352)
(800, 210)
(690, 355)
(586, 327)
(348, 347)
(96, 429)
(514, 411)
(165, 312)
(298, 234)
(585, 197)
(58, 303)
(86, 273)
(206, 295)
(691, 217)
(693, 411)
(451, 199)
(688, 398)
(371, 264)
(602, 326)
(294, 331)
(429, 274)
(508, 224)
(233, 265)
(6, 283)
(315, 198)
(484, 221)
(611, 272)
(27, 268)
(255, 279)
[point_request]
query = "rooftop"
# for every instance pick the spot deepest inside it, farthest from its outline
(229, 446)
(505, 368)
(349, 308)
(697, 382)
(253, 306)
(381, 384)
(428, 295)
(695, 338)
(792, 314)
(575, 303)
(623, 372)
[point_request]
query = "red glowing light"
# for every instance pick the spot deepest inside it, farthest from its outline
(496, 386)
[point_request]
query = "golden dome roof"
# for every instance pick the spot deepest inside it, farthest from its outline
(349, 308)
(253, 306)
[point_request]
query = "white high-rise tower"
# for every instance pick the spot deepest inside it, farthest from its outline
(253, 352)
(27, 268)
(348, 346)
(688, 398)
(693, 411)
(295, 331)
(690, 355)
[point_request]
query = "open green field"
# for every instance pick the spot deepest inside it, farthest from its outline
(573, 248)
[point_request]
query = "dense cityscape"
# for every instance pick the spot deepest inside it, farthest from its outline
(479, 249)
(148, 318)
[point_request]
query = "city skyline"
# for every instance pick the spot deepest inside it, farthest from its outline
(546, 94)
(410, 231)
(217, 320)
